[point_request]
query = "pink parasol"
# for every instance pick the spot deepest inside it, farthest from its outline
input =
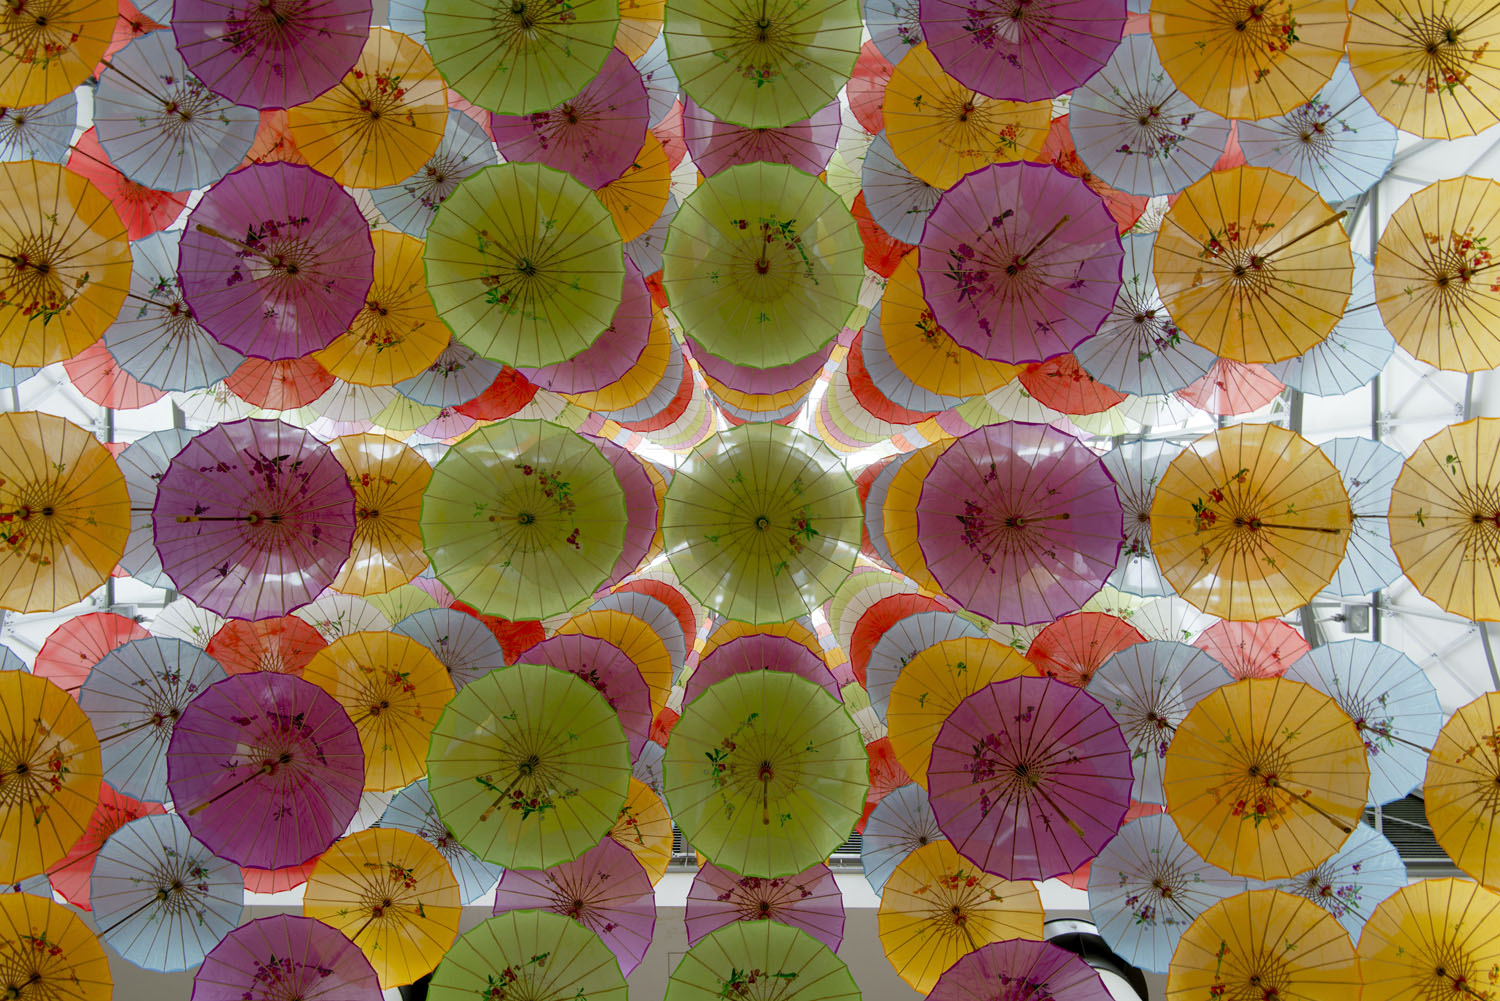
(716, 145)
(276, 261)
(285, 956)
(266, 769)
(71, 877)
(1019, 522)
(605, 889)
(1022, 50)
(1029, 778)
(810, 901)
(1075, 646)
(71, 650)
(594, 135)
(610, 670)
(1020, 262)
(1263, 649)
(613, 353)
(642, 508)
(1019, 969)
(759, 652)
(253, 519)
(270, 53)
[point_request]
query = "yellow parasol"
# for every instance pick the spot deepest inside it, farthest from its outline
(1445, 518)
(64, 512)
(394, 689)
(640, 23)
(637, 197)
(1250, 522)
(64, 263)
(1266, 777)
(931, 686)
(397, 335)
(1434, 280)
(900, 514)
(937, 906)
(1422, 65)
(1463, 772)
(382, 122)
(1263, 944)
(49, 774)
(46, 51)
(923, 351)
(1253, 265)
(1435, 940)
(942, 130)
(1249, 60)
(645, 828)
(393, 895)
(47, 952)
(388, 480)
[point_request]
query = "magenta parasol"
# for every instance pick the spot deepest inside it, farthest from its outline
(610, 670)
(809, 901)
(1020, 523)
(760, 381)
(1029, 778)
(1022, 50)
(759, 652)
(716, 145)
(266, 769)
(270, 53)
(1019, 969)
(1020, 262)
(642, 508)
(605, 889)
(286, 956)
(613, 353)
(253, 519)
(275, 261)
(593, 135)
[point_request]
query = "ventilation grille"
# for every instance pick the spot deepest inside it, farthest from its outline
(1404, 823)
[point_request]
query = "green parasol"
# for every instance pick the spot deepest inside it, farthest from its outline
(523, 519)
(528, 766)
(520, 56)
(524, 264)
(763, 264)
(753, 960)
(765, 773)
(528, 956)
(762, 63)
(761, 523)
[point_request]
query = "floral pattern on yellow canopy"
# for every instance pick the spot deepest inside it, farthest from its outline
(1264, 942)
(1430, 67)
(393, 688)
(1445, 518)
(1437, 939)
(1463, 772)
(46, 951)
(388, 479)
(393, 895)
(1266, 777)
(1435, 282)
(937, 906)
(1253, 265)
(1249, 60)
(1250, 522)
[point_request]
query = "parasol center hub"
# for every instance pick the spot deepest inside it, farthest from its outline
(529, 766)
(526, 518)
(48, 511)
(762, 266)
(23, 768)
(762, 523)
(526, 267)
(765, 908)
(921, 839)
(767, 772)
